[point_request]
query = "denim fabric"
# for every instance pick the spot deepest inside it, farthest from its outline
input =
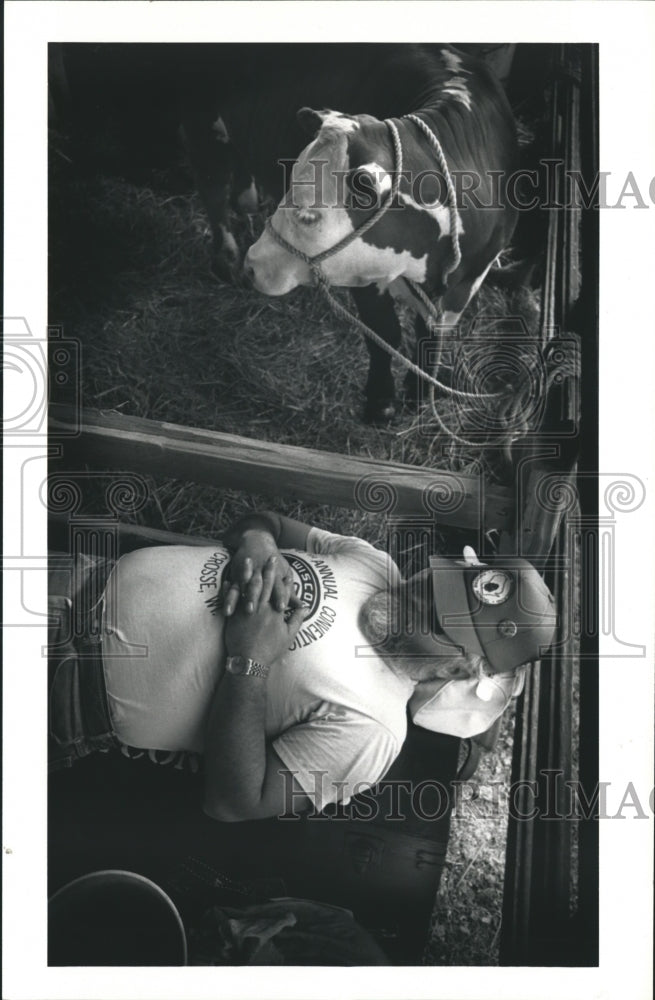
(78, 715)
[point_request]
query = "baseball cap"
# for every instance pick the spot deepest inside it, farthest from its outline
(501, 610)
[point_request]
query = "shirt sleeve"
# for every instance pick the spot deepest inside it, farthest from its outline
(337, 753)
(326, 543)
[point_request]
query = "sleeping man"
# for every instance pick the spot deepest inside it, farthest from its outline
(282, 654)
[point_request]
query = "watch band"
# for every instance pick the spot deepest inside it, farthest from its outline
(245, 666)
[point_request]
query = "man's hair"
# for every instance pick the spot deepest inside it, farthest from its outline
(390, 615)
(382, 618)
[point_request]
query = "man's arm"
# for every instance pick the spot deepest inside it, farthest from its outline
(286, 532)
(244, 777)
(253, 540)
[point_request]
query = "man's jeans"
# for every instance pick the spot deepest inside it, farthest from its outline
(78, 714)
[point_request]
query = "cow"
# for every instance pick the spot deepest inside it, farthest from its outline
(329, 188)
(247, 112)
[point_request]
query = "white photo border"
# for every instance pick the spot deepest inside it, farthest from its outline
(625, 32)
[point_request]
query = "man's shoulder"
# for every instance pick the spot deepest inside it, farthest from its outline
(169, 558)
(165, 553)
(323, 542)
(350, 549)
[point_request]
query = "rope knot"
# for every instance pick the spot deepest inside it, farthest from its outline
(320, 279)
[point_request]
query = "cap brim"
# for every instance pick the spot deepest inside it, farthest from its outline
(474, 626)
(452, 605)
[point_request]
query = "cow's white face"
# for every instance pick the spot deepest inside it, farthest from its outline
(317, 213)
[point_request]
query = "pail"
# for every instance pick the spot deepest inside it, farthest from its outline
(114, 918)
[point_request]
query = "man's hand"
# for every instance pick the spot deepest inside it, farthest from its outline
(263, 634)
(258, 573)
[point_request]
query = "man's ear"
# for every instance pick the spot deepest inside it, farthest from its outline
(310, 121)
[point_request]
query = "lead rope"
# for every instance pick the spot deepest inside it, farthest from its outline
(452, 266)
(432, 315)
(452, 197)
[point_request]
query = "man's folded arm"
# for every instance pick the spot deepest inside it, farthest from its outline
(244, 776)
(287, 533)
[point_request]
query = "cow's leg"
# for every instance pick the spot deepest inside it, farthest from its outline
(456, 299)
(412, 383)
(377, 311)
(212, 158)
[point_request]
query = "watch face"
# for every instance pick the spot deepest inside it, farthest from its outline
(245, 666)
(493, 586)
(235, 664)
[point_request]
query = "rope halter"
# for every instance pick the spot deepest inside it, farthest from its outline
(314, 263)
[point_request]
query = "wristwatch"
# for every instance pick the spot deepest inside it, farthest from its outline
(244, 665)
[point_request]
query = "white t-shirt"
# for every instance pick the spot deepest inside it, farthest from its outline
(335, 713)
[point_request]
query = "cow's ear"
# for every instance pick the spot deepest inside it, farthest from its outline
(309, 120)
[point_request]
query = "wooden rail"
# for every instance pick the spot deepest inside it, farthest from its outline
(228, 461)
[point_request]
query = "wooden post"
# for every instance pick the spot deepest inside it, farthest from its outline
(537, 927)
